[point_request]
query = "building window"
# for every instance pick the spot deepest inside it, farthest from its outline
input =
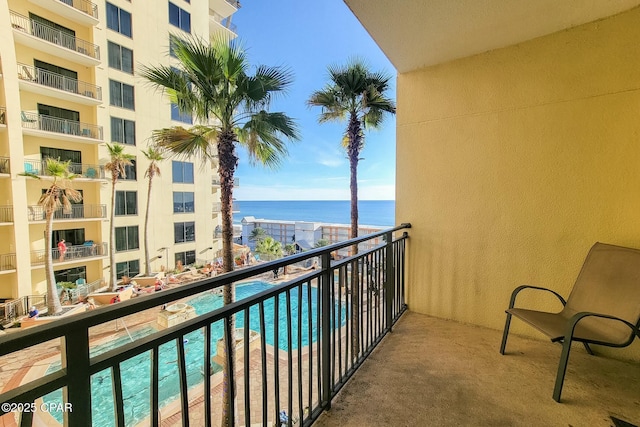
(182, 172)
(130, 171)
(120, 58)
(71, 274)
(127, 238)
(118, 20)
(126, 203)
(123, 131)
(184, 232)
(187, 258)
(128, 268)
(183, 202)
(179, 18)
(121, 95)
(71, 237)
(179, 116)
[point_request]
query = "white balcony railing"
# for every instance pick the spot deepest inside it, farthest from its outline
(57, 125)
(58, 81)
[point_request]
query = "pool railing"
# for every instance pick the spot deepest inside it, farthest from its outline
(358, 299)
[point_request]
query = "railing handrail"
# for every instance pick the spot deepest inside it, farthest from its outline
(49, 79)
(78, 211)
(125, 308)
(220, 20)
(38, 116)
(58, 37)
(384, 262)
(90, 8)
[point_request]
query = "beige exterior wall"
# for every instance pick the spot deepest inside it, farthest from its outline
(512, 163)
(150, 45)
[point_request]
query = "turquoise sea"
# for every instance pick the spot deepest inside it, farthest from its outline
(371, 212)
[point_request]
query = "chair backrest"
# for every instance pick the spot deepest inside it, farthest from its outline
(608, 283)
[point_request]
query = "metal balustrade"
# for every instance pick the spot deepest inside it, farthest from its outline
(78, 211)
(322, 323)
(5, 165)
(216, 182)
(54, 35)
(6, 213)
(38, 167)
(225, 22)
(234, 3)
(58, 81)
(55, 124)
(7, 262)
(85, 6)
(72, 253)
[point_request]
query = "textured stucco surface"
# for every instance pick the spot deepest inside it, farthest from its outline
(512, 163)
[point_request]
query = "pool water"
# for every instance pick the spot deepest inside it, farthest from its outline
(136, 372)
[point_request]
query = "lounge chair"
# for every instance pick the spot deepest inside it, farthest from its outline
(603, 307)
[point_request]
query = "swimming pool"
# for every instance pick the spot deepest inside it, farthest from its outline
(136, 376)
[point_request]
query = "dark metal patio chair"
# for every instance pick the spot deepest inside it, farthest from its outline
(603, 307)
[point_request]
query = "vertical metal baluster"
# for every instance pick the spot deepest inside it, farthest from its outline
(75, 358)
(276, 354)
(338, 324)
(263, 354)
(207, 375)
(247, 391)
(289, 359)
(348, 308)
(310, 341)
(230, 340)
(116, 378)
(299, 288)
(363, 332)
(325, 287)
(319, 344)
(153, 397)
(184, 389)
(331, 308)
(26, 419)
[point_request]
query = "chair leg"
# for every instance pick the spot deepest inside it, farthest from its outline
(562, 369)
(586, 347)
(505, 334)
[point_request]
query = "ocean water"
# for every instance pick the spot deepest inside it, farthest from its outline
(371, 212)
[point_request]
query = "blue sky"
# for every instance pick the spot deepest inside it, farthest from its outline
(306, 38)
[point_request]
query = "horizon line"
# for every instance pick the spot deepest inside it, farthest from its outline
(317, 200)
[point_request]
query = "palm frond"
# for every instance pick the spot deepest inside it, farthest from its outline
(262, 137)
(196, 142)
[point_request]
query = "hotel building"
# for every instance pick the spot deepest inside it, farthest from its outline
(69, 85)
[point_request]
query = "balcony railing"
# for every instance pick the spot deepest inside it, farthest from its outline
(321, 324)
(234, 3)
(54, 124)
(3, 116)
(58, 81)
(38, 167)
(85, 6)
(6, 213)
(80, 211)
(73, 253)
(12, 310)
(53, 35)
(7, 261)
(216, 182)
(5, 165)
(224, 21)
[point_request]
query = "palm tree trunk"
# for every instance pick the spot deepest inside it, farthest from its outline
(226, 169)
(354, 134)
(147, 262)
(53, 301)
(113, 281)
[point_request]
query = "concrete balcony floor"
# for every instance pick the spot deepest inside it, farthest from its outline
(433, 372)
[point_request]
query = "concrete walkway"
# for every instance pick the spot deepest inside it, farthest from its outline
(432, 372)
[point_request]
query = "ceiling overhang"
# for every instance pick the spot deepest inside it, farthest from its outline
(420, 33)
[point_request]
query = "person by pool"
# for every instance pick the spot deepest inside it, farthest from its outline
(33, 312)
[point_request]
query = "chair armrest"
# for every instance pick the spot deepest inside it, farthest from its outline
(517, 290)
(573, 321)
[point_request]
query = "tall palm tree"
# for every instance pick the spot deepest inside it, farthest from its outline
(154, 156)
(213, 84)
(118, 160)
(358, 95)
(58, 195)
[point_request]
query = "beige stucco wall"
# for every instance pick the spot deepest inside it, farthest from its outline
(512, 163)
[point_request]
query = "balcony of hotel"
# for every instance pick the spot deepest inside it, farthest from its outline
(3, 118)
(215, 182)
(81, 11)
(224, 8)
(44, 82)
(7, 263)
(45, 38)
(5, 167)
(83, 171)
(219, 23)
(56, 128)
(82, 252)
(6, 215)
(78, 212)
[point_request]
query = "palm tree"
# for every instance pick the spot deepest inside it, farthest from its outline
(58, 195)
(258, 234)
(289, 249)
(212, 83)
(358, 95)
(117, 166)
(154, 156)
(269, 248)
